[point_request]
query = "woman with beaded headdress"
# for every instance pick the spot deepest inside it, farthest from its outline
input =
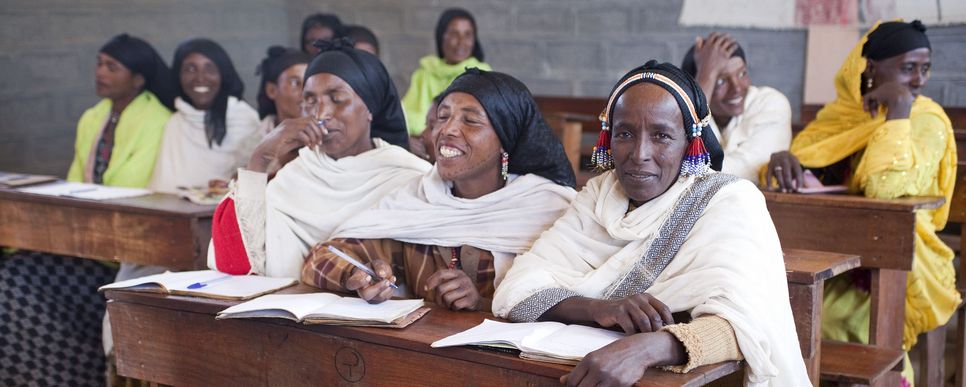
(660, 232)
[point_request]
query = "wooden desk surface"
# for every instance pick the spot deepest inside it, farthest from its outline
(157, 229)
(176, 340)
(809, 267)
(910, 203)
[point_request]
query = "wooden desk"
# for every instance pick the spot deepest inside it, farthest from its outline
(176, 341)
(806, 272)
(157, 229)
(882, 232)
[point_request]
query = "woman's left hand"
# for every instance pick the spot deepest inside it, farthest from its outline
(454, 289)
(623, 362)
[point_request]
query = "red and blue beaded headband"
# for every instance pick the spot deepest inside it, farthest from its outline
(697, 160)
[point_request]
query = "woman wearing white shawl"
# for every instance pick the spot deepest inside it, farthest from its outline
(340, 168)
(500, 179)
(662, 233)
(213, 132)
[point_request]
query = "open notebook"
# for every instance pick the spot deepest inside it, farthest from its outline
(86, 191)
(205, 283)
(331, 309)
(14, 180)
(543, 341)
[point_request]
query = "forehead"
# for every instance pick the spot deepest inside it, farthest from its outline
(295, 70)
(735, 64)
(919, 55)
(647, 103)
(324, 82)
(460, 23)
(197, 58)
(460, 101)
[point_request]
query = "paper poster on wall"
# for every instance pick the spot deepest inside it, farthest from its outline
(797, 14)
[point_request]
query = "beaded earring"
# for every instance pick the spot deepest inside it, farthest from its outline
(868, 83)
(697, 160)
(601, 158)
(504, 165)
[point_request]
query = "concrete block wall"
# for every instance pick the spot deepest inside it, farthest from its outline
(557, 47)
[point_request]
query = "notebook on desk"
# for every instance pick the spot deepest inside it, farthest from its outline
(330, 309)
(16, 180)
(205, 283)
(86, 191)
(545, 341)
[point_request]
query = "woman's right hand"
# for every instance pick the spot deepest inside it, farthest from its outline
(638, 313)
(786, 170)
(286, 139)
(894, 96)
(362, 284)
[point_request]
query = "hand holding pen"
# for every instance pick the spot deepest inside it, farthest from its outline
(373, 285)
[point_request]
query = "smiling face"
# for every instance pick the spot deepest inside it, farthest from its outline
(286, 92)
(327, 97)
(200, 80)
(458, 40)
(730, 90)
(114, 81)
(467, 147)
(911, 69)
(648, 141)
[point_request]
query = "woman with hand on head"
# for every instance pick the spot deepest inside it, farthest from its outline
(334, 163)
(213, 131)
(662, 232)
(884, 139)
(500, 179)
(280, 92)
(457, 48)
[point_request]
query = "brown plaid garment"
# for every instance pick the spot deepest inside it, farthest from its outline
(412, 264)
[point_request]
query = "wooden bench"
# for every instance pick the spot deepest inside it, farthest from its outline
(882, 232)
(806, 272)
(157, 229)
(176, 340)
(849, 363)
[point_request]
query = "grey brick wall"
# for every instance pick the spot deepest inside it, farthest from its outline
(558, 47)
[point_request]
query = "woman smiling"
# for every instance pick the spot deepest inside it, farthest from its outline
(500, 179)
(661, 233)
(213, 131)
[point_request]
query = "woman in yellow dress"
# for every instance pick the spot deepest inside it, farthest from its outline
(884, 140)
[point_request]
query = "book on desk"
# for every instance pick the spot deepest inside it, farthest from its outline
(205, 283)
(329, 309)
(546, 341)
(16, 180)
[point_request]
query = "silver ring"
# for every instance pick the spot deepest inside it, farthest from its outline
(778, 168)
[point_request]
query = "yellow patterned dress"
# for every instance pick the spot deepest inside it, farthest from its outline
(890, 159)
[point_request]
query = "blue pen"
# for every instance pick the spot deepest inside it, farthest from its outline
(360, 266)
(199, 285)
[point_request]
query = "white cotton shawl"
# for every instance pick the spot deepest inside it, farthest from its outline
(507, 220)
(730, 265)
(185, 158)
(314, 193)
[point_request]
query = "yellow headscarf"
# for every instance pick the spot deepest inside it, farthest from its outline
(842, 128)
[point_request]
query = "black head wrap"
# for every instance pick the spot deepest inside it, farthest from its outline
(278, 60)
(361, 34)
(326, 20)
(444, 20)
(690, 67)
(231, 83)
(692, 91)
(895, 38)
(518, 124)
(370, 81)
(140, 58)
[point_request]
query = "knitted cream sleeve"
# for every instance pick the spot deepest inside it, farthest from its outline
(708, 339)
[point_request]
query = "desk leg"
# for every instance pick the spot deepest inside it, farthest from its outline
(806, 301)
(888, 314)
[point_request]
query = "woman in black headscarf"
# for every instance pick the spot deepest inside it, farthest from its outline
(457, 48)
(500, 179)
(363, 39)
(660, 232)
(129, 122)
(213, 131)
(320, 26)
(280, 92)
(337, 162)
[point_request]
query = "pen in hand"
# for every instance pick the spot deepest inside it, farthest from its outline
(360, 266)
